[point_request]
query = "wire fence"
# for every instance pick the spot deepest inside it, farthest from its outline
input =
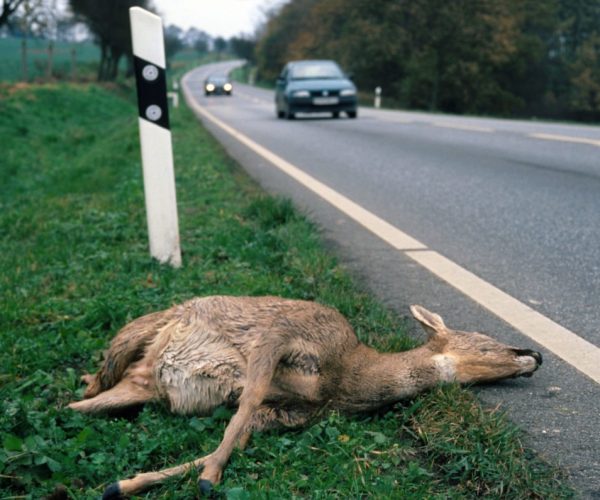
(35, 59)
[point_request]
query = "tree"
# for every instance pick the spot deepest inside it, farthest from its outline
(243, 47)
(196, 39)
(220, 44)
(9, 7)
(201, 45)
(501, 57)
(281, 29)
(109, 22)
(578, 46)
(173, 40)
(30, 17)
(585, 79)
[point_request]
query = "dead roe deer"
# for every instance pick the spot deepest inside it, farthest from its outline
(279, 361)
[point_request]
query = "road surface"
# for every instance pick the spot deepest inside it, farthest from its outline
(495, 224)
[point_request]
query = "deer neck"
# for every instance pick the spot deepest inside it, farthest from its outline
(373, 379)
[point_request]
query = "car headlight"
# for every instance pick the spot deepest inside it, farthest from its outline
(227, 87)
(301, 93)
(210, 87)
(347, 92)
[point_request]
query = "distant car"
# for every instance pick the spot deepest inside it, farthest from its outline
(217, 85)
(314, 87)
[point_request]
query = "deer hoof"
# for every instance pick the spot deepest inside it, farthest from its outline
(205, 487)
(112, 492)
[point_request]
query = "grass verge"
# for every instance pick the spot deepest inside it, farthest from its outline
(74, 268)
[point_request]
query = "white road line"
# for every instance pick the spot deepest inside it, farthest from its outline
(251, 98)
(381, 228)
(392, 119)
(566, 138)
(576, 351)
(471, 128)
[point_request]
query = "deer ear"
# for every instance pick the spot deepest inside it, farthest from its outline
(432, 323)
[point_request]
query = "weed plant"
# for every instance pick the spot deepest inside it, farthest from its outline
(74, 268)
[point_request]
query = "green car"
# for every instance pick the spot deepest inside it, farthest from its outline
(314, 86)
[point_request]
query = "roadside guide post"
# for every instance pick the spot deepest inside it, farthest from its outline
(174, 95)
(377, 97)
(155, 136)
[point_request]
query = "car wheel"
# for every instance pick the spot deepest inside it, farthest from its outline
(289, 114)
(351, 114)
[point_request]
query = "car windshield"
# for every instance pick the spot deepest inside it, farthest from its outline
(217, 79)
(315, 70)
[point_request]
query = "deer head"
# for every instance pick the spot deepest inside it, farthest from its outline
(473, 357)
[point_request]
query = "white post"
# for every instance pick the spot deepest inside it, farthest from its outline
(377, 97)
(155, 135)
(174, 96)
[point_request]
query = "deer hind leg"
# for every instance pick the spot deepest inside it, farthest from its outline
(88, 378)
(261, 367)
(123, 395)
(136, 388)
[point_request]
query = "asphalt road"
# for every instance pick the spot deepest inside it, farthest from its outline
(515, 203)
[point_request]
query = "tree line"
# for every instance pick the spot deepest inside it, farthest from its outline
(107, 23)
(498, 57)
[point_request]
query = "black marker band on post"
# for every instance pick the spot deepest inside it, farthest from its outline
(151, 84)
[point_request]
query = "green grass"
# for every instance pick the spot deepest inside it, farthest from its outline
(74, 268)
(243, 74)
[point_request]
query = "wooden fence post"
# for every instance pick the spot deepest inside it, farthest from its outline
(50, 61)
(24, 72)
(73, 64)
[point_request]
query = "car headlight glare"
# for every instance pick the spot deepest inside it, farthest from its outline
(210, 87)
(347, 92)
(301, 93)
(227, 87)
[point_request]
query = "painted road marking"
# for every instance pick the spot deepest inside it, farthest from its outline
(471, 128)
(251, 98)
(576, 351)
(567, 138)
(392, 119)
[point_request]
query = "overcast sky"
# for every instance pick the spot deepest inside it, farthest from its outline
(224, 18)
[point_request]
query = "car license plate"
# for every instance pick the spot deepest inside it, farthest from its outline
(325, 101)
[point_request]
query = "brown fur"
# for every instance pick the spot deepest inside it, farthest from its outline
(279, 362)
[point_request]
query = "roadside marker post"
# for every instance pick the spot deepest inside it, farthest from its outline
(377, 102)
(174, 96)
(155, 135)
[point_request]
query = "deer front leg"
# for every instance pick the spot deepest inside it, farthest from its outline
(261, 367)
(212, 465)
(265, 417)
(145, 480)
(239, 428)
